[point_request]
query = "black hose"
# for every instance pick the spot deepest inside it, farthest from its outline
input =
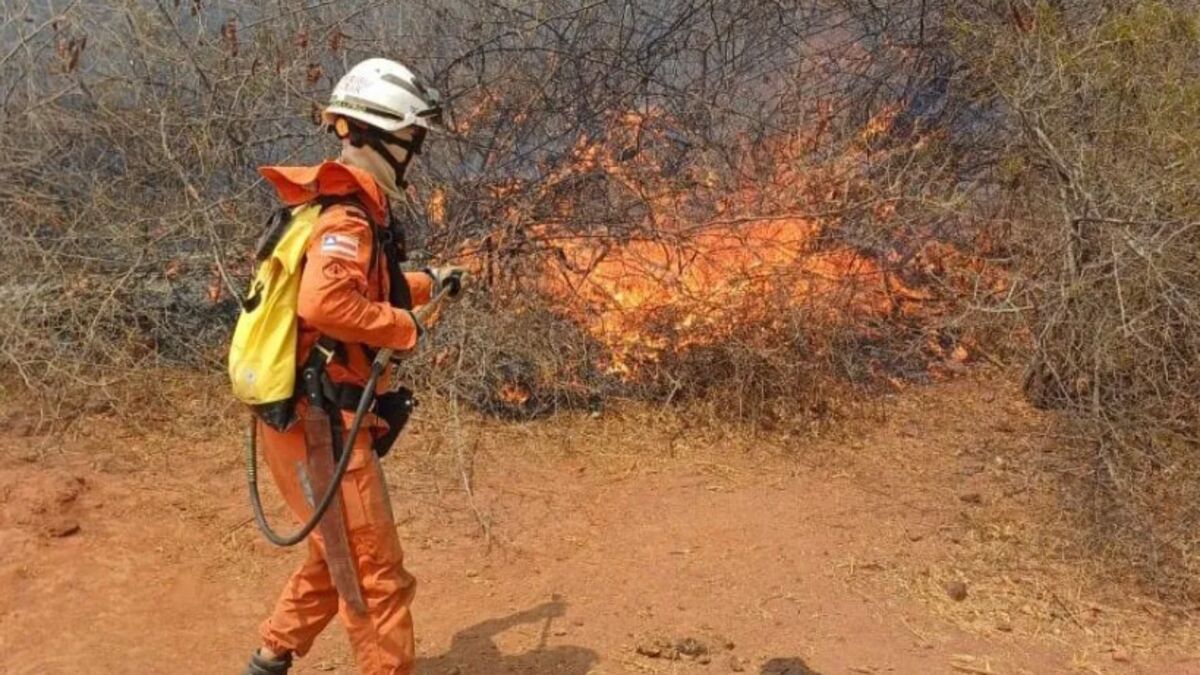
(364, 403)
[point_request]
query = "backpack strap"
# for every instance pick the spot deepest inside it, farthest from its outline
(393, 245)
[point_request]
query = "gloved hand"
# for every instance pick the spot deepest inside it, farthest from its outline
(420, 326)
(451, 277)
(398, 356)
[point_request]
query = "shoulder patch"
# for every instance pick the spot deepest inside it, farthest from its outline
(340, 246)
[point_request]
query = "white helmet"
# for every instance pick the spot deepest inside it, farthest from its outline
(386, 95)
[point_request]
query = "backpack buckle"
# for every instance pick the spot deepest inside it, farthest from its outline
(326, 352)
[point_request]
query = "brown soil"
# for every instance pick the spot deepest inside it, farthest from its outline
(929, 543)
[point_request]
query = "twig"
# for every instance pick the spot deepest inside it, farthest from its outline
(26, 38)
(194, 195)
(456, 424)
(972, 669)
(187, 49)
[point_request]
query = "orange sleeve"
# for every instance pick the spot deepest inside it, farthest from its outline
(420, 285)
(334, 286)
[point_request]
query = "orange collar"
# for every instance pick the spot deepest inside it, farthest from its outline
(300, 184)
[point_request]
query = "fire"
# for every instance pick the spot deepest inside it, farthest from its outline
(673, 282)
(648, 296)
(693, 283)
(513, 394)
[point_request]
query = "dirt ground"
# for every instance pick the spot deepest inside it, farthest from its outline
(925, 543)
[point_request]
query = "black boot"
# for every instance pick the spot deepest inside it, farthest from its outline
(259, 665)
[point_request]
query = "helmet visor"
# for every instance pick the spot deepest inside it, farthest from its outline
(432, 117)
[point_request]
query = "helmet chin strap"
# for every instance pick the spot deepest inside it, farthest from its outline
(378, 141)
(398, 167)
(373, 162)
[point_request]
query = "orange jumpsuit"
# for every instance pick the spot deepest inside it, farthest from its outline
(345, 297)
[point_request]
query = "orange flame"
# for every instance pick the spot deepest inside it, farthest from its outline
(693, 284)
(685, 284)
(513, 393)
(648, 296)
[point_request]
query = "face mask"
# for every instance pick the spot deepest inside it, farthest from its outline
(381, 170)
(386, 158)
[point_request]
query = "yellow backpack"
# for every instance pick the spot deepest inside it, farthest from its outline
(262, 355)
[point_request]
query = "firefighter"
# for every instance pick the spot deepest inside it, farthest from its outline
(353, 298)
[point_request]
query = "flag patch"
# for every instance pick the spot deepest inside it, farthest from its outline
(340, 246)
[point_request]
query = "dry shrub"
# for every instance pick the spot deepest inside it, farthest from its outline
(130, 134)
(1103, 101)
(513, 357)
(519, 358)
(797, 368)
(784, 379)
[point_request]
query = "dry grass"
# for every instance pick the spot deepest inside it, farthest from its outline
(981, 488)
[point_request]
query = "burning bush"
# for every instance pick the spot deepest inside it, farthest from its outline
(763, 282)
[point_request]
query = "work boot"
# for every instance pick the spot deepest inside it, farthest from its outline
(259, 665)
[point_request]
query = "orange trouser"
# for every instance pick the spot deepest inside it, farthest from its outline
(383, 638)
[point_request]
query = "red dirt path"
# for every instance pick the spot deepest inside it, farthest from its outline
(828, 557)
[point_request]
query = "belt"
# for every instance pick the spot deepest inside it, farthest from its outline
(342, 396)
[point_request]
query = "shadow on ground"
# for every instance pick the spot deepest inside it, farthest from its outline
(473, 650)
(788, 666)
